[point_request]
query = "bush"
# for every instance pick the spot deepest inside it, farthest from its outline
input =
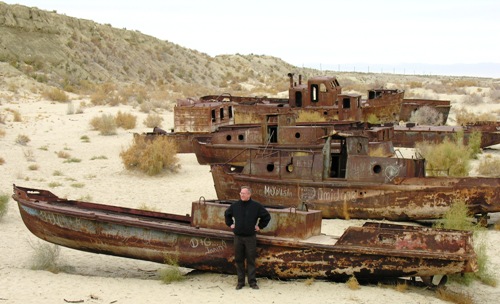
(105, 124)
(153, 120)
(458, 217)
(171, 274)
(464, 117)
(56, 94)
(449, 158)
(22, 139)
(125, 120)
(45, 257)
(4, 204)
(151, 156)
(489, 166)
(427, 116)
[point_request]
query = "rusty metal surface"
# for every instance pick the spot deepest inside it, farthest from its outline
(348, 183)
(372, 251)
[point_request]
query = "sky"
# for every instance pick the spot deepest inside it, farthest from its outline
(361, 35)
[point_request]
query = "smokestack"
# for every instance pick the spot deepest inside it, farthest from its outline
(290, 75)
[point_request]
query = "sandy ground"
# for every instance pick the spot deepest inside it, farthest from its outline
(100, 177)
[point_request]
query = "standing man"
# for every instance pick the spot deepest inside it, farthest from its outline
(242, 217)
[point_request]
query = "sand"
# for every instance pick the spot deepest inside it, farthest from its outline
(101, 177)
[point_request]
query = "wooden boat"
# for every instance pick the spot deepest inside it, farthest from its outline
(346, 182)
(292, 246)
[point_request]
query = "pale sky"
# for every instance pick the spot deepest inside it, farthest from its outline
(310, 32)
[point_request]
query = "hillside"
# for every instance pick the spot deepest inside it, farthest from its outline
(41, 50)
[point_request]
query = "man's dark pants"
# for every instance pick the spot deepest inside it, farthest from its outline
(245, 247)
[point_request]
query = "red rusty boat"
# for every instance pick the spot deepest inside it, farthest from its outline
(292, 246)
(344, 181)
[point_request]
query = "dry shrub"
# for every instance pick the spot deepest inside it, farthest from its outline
(352, 283)
(153, 120)
(45, 257)
(55, 94)
(489, 166)
(427, 116)
(309, 281)
(22, 139)
(105, 124)
(4, 204)
(151, 156)
(464, 117)
(2, 161)
(306, 116)
(2, 133)
(63, 154)
(126, 121)
(448, 295)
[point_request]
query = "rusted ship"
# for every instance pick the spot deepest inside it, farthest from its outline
(319, 100)
(281, 132)
(409, 134)
(292, 246)
(343, 181)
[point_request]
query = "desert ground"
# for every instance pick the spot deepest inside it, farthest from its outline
(101, 177)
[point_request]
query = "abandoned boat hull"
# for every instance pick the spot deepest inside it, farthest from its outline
(405, 199)
(372, 251)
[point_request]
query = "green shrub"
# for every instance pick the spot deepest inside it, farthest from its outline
(458, 217)
(151, 156)
(449, 158)
(125, 120)
(4, 204)
(105, 124)
(172, 273)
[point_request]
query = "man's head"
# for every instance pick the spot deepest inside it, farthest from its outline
(245, 193)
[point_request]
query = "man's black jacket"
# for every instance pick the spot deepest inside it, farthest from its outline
(245, 216)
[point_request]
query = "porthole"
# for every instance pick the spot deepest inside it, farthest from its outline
(377, 169)
(241, 137)
(289, 168)
(297, 135)
(228, 138)
(270, 167)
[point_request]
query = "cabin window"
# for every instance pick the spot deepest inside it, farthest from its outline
(241, 137)
(377, 169)
(322, 88)
(213, 116)
(297, 135)
(221, 113)
(270, 167)
(228, 138)
(272, 134)
(298, 99)
(314, 93)
(230, 112)
(346, 103)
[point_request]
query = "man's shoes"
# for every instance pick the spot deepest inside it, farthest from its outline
(239, 286)
(254, 286)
